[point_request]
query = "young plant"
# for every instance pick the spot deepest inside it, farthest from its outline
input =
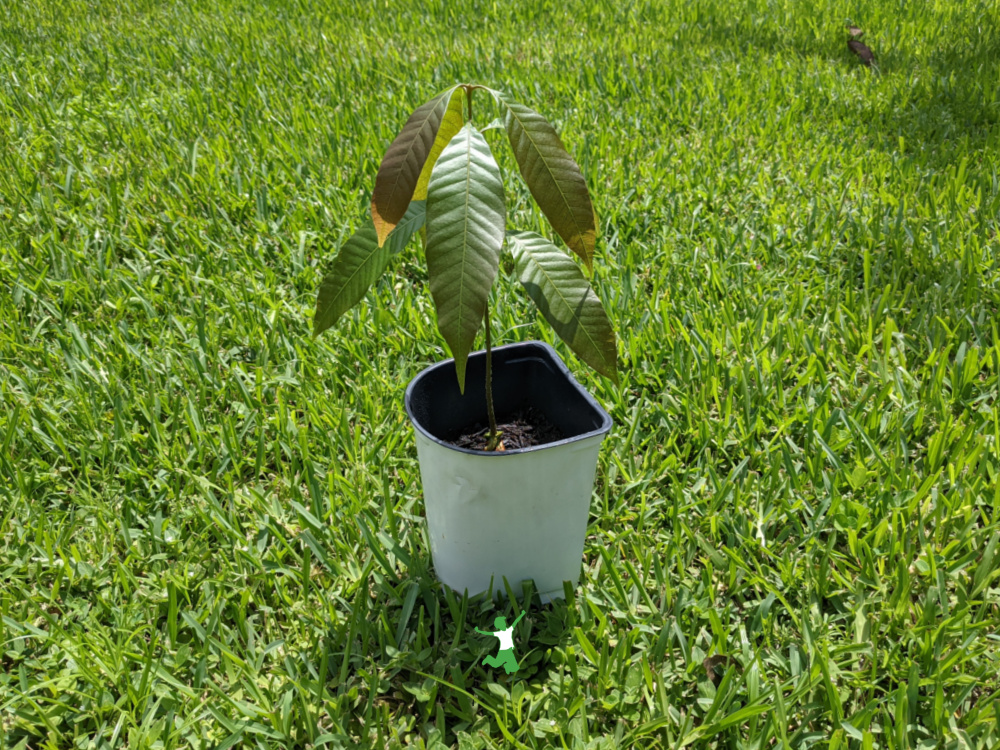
(439, 174)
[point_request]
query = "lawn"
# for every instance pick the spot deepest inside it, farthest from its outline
(211, 523)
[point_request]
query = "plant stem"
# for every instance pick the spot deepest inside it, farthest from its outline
(494, 437)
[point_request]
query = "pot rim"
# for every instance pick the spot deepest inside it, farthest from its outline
(556, 360)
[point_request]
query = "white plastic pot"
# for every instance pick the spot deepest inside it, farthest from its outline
(517, 514)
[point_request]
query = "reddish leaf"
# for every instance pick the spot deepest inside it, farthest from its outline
(403, 162)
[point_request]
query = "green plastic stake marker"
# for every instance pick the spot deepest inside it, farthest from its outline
(505, 656)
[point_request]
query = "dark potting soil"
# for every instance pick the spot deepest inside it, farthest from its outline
(522, 429)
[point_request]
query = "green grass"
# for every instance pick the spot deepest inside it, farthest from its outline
(211, 528)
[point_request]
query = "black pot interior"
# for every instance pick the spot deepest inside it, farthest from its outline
(524, 375)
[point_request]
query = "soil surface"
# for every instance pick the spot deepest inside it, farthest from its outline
(523, 429)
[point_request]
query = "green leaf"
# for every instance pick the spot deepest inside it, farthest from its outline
(985, 569)
(404, 160)
(358, 265)
(465, 229)
(553, 177)
(566, 300)
(451, 123)
(412, 222)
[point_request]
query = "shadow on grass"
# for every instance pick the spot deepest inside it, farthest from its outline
(936, 95)
(545, 627)
(435, 670)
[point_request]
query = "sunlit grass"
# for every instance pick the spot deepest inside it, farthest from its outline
(211, 526)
